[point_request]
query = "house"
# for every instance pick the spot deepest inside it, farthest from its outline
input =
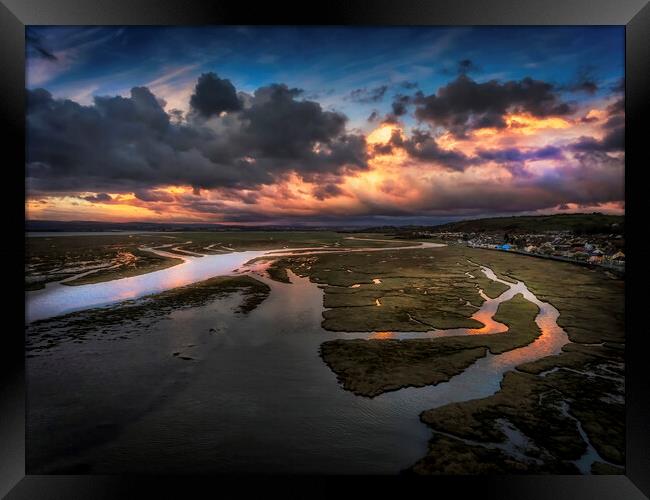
(580, 256)
(546, 248)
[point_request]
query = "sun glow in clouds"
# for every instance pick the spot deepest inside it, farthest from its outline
(382, 134)
(197, 141)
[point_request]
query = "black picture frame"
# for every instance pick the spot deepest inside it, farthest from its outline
(16, 14)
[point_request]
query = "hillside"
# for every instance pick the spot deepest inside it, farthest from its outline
(592, 223)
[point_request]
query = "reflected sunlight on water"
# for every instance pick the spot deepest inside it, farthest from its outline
(492, 367)
(56, 299)
(382, 335)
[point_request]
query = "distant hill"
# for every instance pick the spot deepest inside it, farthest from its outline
(592, 223)
(579, 223)
(98, 226)
(87, 226)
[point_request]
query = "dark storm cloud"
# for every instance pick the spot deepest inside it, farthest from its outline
(390, 119)
(589, 119)
(382, 149)
(213, 95)
(597, 178)
(153, 195)
(617, 107)
(591, 179)
(464, 104)
(98, 198)
(613, 139)
(278, 125)
(422, 146)
(400, 104)
(517, 155)
(129, 144)
(615, 122)
(227, 213)
(366, 95)
(176, 115)
(327, 191)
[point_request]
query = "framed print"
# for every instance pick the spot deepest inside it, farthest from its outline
(383, 243)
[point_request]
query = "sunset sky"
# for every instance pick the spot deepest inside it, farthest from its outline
(330, 125)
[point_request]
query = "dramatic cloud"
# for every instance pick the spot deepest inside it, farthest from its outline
(518, 155)
(326, 191)
(153, 195)
(129, 144)
(362, 142)
(213, 96)
(590, 180)
(463, 104)
(422, 146)
(617, 107)
(400, 104)
(98, 198)
(613, 139)
(278, 125)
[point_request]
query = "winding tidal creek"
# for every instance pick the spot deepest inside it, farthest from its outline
(204, 390)
(57, 299)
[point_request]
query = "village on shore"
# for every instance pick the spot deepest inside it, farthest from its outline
(591, 239)
(605, 250)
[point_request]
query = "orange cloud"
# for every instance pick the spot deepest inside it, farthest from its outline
(394, 181)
